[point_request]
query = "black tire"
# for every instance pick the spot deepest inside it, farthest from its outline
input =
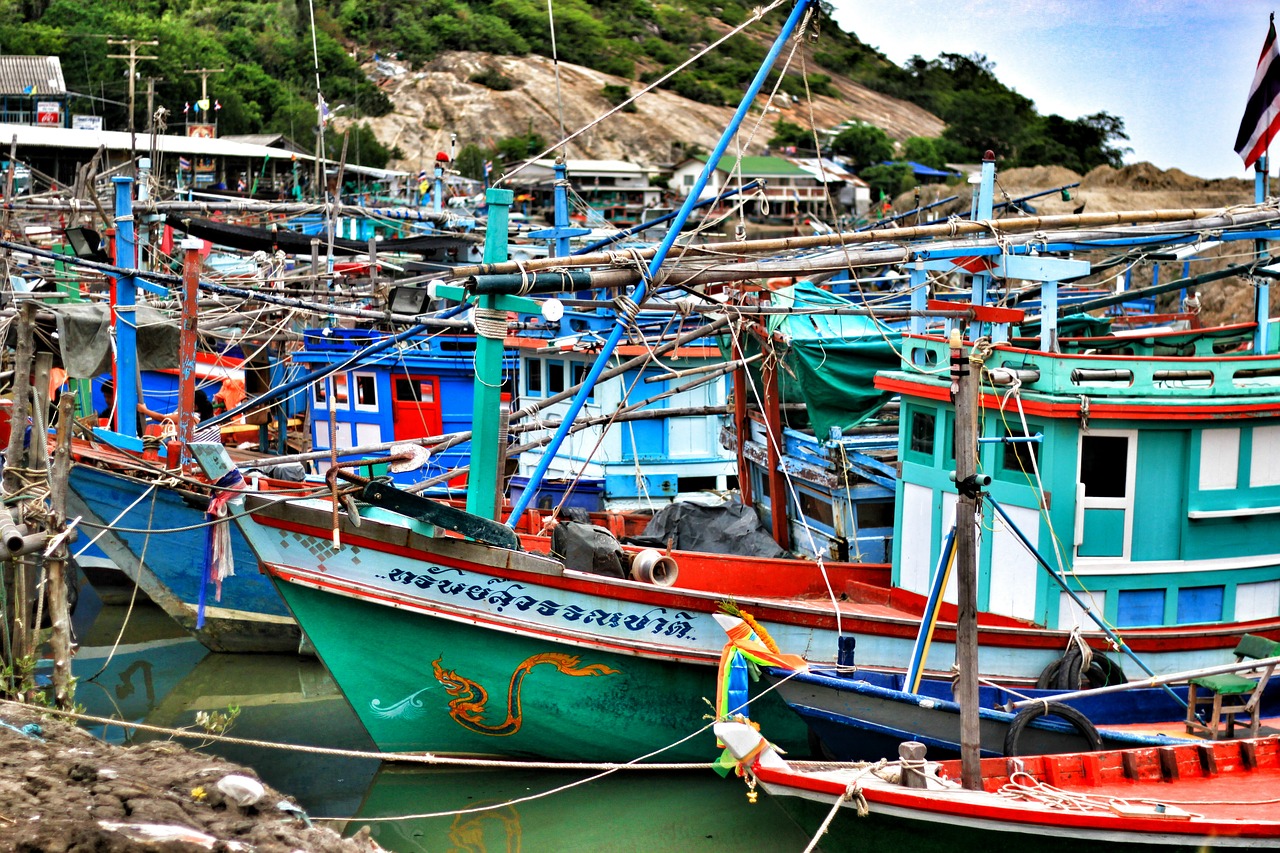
(1048, 675)
(1070, 669)
(1104, 672)
(1055, 709)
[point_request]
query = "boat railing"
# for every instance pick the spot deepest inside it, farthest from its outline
(1171, 367)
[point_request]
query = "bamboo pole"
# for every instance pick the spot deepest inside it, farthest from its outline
(59, 612)
(1218, 217)
(15, 462)
(1155, 681)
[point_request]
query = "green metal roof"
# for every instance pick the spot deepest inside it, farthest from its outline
(758, 167)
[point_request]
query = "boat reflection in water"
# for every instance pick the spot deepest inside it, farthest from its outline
(626, 811)
(166, 680)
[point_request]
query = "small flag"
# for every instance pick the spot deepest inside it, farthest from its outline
(1261, 118)
(29, 90)
(488, 167)
(203, 104)
(217, 105)
(184, 165)
(422, 174)
(187, 108)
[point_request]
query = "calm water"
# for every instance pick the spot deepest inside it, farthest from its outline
(160, 676)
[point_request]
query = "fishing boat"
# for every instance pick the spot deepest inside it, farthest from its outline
(1193, 796)
(865, 715)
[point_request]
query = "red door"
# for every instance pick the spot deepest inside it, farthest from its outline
(417, 406)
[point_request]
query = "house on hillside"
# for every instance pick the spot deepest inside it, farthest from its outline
(617, 191)
(851, 193)
(32, 91)
(790, 190)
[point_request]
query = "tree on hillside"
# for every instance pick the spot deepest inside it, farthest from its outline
(788, 133)
(863, 145)
(470, 162)
(927, 150)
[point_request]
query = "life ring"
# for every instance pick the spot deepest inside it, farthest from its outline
(1055, 709)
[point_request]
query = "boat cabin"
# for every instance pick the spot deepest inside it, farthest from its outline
(1151, 483)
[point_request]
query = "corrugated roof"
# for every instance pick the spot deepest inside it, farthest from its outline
(759, 167)
(31, 75)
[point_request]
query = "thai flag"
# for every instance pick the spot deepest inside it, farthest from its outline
(488, 167)
(1262, 113)
(184, 165)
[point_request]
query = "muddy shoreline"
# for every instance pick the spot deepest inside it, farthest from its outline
(64, 791)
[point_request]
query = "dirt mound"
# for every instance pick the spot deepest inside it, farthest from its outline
(1035, 178)
(1145, 176)
(64, 791)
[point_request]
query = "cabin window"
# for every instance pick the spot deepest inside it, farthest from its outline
(1200, 604)
(555, 376)
(1219, 458)
(1020, 455)
(1104, 465)
(533, 376)
(923, 429)
(320, 391)
(1264, 462)
(1140, 607)
(579, 371)
(874, 514)
(818, 509)
(366, 391)
(415, 390)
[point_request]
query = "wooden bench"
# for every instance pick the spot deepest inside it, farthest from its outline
(1230, 693)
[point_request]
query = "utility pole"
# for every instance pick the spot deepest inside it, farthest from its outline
(204, 85)
(151, 99)
(133, 57)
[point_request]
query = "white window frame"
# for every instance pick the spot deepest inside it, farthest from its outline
(1126, 503)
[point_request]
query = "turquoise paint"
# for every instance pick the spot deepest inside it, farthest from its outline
(1160, 495)
(1103, 533)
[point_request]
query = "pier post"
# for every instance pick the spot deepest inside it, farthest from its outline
(485, 478)
(187, 349)
(59, 611)
(964, 388)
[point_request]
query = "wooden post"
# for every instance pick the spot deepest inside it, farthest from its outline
(187, 349)
(59, 613)
(18, 593)
(773, 419)
(964, 386)
(741, 424)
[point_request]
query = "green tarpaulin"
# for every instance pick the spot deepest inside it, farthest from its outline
(830, 361)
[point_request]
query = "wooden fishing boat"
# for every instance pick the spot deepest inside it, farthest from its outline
(865, 715)
(1194, 796)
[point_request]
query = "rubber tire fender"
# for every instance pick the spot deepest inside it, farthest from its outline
(1024, 717)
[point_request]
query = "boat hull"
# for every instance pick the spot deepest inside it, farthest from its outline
(865, 716)
(428, 684)
(169, 566)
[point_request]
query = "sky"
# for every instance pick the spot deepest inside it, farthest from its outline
(1177, 71)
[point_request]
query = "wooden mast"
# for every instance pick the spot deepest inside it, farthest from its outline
(964, 386)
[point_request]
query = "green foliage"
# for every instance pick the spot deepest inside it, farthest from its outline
(891, 179)
(470, 162)
(516, 149)
(616, 94)
(789, 133)
(927, 150)
(863, 144)
(494, 79)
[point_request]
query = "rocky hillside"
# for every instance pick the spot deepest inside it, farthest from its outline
(438, 100)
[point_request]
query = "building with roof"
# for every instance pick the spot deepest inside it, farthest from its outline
(618, 191)
(56, 153)
(32, 91)
(850, 192)
(790, 190)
